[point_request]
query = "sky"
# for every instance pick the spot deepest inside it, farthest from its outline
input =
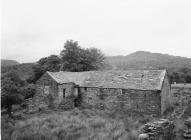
(32, 29)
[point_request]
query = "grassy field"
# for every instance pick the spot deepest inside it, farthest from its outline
(78, 125)
(69, 125)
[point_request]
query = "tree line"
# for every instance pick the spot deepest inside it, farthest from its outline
(180, 75)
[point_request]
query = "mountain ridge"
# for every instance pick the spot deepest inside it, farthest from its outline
(8, 62)
(148, 60)
(148, 52)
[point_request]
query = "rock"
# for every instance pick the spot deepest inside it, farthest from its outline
(188, 123)
(158, 129)
(143, 136)
(187, 136)
(187, 133)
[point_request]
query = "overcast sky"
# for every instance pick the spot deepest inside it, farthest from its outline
(33, 29)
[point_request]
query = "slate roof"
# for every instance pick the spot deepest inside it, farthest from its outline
(131, 79)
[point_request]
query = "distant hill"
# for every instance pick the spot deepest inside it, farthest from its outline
(179, 68)
(5, 62)
(24, 70)
(148, 60)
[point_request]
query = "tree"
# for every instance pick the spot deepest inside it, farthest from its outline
(188, 78)
(174, 77)
(38, 72)
(74, 58)
(94, 59)
(10, 89)
(50, 63)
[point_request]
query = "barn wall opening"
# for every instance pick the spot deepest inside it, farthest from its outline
(78, 98)
(64, 92)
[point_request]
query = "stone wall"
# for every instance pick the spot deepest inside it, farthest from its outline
(166, 95)
(122, 100)
(187, 131)
(50, 94)
(37, 103)
(66, 100)
(46, 91)
(69, 90)
(147, 102)
(158, 130)
(181, 97)
(114, 100)
(46, 85)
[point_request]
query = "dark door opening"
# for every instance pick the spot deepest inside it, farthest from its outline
(78, 100)
(64, 92)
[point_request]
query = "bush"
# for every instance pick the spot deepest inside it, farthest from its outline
(28, 91)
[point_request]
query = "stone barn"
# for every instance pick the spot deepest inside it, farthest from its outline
(139, 91)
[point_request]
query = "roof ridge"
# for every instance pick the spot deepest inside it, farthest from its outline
(163, 73)
(50, 74)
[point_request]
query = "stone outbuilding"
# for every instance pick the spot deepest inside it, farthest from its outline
(141, 91)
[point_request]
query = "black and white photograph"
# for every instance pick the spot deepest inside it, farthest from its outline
(95, 70)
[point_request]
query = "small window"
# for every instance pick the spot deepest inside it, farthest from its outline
(121, 92)
(76, 90)
(46, 89)
(102, 96)
(85, 88)
(89, 99)
(64, 92)
(137, 106)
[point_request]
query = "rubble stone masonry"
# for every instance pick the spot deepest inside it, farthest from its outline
(122, 100)
(158, 130)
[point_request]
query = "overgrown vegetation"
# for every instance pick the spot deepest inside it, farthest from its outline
(70, 125)
(180, 75)
(24, 70)
(14, 90)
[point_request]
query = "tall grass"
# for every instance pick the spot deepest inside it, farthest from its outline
(70, 125)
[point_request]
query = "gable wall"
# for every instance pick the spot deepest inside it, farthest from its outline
(47, 86)
(166, 96)
(122, 100)
(46, 93)
(47, 81)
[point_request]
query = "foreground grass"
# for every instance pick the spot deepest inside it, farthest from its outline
(70, 125)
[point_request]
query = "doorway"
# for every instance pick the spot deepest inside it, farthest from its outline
(64, 92)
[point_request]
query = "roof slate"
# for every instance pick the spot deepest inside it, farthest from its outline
(131, 79)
